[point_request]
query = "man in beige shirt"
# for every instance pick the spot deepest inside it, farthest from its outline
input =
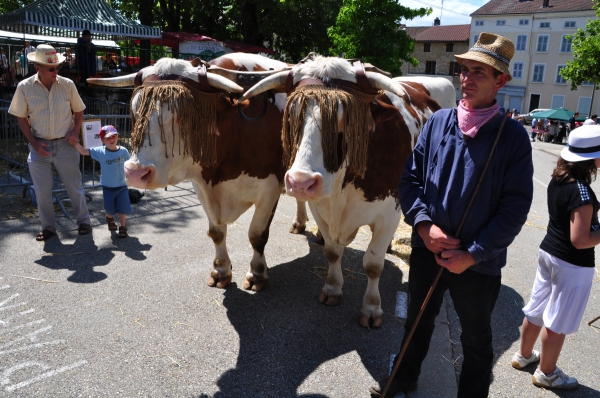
(42, 104)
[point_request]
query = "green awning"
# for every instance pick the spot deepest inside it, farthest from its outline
(67, 18)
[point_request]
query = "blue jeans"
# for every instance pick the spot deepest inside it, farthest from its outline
(474, 296)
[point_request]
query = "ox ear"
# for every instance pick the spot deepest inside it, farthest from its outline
(382, 109)
(196, 62)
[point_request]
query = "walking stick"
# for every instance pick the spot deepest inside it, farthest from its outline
(437, 277)
(593, 320)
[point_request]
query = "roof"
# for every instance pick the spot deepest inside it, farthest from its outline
(497, 7)
(20, 37)
(445, 33)
(440, 33)
(67, 18)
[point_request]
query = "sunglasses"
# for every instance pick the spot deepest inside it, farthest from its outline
(52, 69)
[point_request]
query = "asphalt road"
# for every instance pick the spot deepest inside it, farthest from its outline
(98, 316)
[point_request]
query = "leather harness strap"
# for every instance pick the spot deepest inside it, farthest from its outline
(361, 78)
(203, 85)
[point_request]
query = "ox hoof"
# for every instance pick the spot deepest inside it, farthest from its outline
(255, 284)
(219, 281)
(368, 322)
(297, 229)
(330, 300)
(320, 240)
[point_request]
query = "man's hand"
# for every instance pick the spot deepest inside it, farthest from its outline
(42, 148)
(435, 239)
(72, 137)
(456, 261)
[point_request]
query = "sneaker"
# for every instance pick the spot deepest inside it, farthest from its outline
(556, 379)
(519, 361)
(395, 387)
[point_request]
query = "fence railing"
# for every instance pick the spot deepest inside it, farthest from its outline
(14, 150)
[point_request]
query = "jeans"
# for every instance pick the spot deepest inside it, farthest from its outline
(474, 296)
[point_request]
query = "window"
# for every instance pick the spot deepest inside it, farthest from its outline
(521, 43)
(454, 69)
(569, 24)
(565, 44)
(426, 47)
(475, 38)
(538, 73)
(523, 21)
(517, 70)
(449, 47)
(501, 22)
(583, 105)
(558, 101)
(586, 83)
(542, 44)
(478, 23)
(430, 67)
(559, 79)
(544, 24)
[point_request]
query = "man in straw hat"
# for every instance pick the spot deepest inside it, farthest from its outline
(42, 104)
(436, 187)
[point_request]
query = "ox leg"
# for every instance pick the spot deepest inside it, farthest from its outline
(332, 291)
(299, 224)
(220, 276)
(371, 314)
(258, 234)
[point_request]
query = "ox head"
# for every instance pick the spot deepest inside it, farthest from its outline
(327, 122)
(174, 122)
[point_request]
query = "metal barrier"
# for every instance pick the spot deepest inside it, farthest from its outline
(14, 150)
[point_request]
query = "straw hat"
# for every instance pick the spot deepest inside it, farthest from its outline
(584, 144)
(491, 49)
(45, 55)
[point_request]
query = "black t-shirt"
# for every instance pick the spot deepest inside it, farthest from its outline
(562, 200)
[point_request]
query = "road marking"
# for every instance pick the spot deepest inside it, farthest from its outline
(44, 376)
(539, 182)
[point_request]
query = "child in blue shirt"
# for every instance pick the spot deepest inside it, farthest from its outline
(112, 158)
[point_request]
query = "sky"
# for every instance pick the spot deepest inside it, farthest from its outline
(453, 12)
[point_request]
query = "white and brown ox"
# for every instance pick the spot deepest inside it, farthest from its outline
(345, 146)
(185, 134)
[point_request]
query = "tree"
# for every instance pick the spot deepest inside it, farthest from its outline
(370, 30)
(7, 6)
(585, 44)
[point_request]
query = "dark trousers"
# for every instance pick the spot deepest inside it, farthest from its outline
(474, 296)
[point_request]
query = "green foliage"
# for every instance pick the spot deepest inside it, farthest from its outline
(7, 6)
(370, 30)
(586, 53)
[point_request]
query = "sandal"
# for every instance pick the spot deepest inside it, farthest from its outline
(85, 229)
(111, 223)
(44, 234)
(122, 232)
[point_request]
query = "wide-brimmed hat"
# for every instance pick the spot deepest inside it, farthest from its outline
(493, 50)
(584, 144)
(46, 55)
(108, 131)
(86, 32)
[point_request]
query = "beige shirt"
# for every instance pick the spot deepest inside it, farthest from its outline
(49, 112)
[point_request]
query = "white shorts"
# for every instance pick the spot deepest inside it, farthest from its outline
(559, 295)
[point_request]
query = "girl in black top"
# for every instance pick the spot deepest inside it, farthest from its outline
(565, 261)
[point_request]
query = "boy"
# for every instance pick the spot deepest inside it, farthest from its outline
(112, 158)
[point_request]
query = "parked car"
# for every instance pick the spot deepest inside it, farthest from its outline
(528, 117)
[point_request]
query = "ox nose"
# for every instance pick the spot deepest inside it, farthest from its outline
(304, 185)
(139, 176)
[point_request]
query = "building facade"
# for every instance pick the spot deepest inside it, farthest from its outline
(540, 30)
(435, 48)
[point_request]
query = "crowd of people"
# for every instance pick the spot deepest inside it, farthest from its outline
(465, 245)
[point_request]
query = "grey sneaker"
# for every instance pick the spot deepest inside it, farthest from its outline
(556, 379)
(519, 361)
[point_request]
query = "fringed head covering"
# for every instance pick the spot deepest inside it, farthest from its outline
(194, 112)
(357, 124)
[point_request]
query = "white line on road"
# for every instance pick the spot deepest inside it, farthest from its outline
(539, 182)
(45, 376)
(36, 345)
(401, 304)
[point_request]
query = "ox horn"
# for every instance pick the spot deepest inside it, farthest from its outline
(223, 83)
(273, 82)
(120, 81)
(382, 82)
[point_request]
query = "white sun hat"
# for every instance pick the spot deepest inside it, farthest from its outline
(584, 144)
(45, 55)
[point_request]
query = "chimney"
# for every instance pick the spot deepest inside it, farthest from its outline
(546, 4)
(436, 21)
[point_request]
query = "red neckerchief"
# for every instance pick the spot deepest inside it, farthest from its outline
(471, 120)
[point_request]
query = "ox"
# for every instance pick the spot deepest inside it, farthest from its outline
(233, 163)
(345, 146)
